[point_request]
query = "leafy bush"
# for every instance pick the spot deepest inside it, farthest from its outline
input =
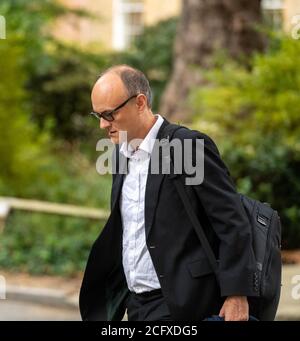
(74, 181)
(253, 114)
(47, 244)
(22, 147)
(52, 244)
(58, 77)
(60, 93)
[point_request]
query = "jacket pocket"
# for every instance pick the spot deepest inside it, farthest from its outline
(200, 267)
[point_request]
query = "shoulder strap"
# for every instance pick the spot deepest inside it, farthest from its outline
(170, 130)
(168, 134)
(196, 223)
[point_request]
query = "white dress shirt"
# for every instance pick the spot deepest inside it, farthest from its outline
(137, 263)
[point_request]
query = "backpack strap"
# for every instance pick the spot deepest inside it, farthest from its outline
(170, 130)
(168, 134)
(196, 223)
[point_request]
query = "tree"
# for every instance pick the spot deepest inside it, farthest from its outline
(253, 115)
(205, 28)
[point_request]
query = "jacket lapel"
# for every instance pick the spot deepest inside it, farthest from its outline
(117, 185)
(121, 171)
(152, 187)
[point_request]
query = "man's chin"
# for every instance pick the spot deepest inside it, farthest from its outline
(114, 140)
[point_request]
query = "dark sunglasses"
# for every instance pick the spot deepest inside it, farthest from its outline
(108, 115)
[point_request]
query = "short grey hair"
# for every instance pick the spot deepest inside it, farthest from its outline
(134, 80)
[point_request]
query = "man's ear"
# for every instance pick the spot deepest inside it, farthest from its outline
(141, 102)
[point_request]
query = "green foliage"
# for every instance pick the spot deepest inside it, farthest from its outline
(74, 181)
(61, 92)
(253, 114)
(21, 146)
(50, 244)
(45, 94)
(59, 78)
(152, 52)
(45, 87)
(41, 244)
(30, 21)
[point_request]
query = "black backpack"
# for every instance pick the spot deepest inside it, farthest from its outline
(266, 236)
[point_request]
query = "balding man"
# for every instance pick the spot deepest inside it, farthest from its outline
(148, 258)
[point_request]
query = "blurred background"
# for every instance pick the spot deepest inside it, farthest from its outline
(227, 68)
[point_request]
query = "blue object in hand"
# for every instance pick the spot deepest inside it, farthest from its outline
(219, 318)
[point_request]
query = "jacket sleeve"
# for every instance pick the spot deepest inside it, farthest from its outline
(226, 214)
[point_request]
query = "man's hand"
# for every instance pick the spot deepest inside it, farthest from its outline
(235, 308)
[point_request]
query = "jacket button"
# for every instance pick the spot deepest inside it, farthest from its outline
(152, 247)
(161, 276)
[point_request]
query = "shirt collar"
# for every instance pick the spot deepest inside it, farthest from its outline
(147, 144)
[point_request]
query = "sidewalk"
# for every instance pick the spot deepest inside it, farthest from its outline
(63, 293)
(46, 290)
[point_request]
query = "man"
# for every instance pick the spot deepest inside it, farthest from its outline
(148, 257)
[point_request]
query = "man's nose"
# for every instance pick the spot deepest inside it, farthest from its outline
(104, 124)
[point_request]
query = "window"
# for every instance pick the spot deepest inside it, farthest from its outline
(273, 12)
(127, 22)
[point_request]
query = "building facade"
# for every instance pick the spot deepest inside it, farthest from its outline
(114, 24)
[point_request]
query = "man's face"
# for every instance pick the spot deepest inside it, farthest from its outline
(108, 93)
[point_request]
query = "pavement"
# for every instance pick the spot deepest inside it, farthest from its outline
(59, 301)
(36, 298)
(11, 310)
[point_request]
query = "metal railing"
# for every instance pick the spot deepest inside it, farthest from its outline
(8, 203)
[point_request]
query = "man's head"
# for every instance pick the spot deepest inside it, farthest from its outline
(128, 90)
